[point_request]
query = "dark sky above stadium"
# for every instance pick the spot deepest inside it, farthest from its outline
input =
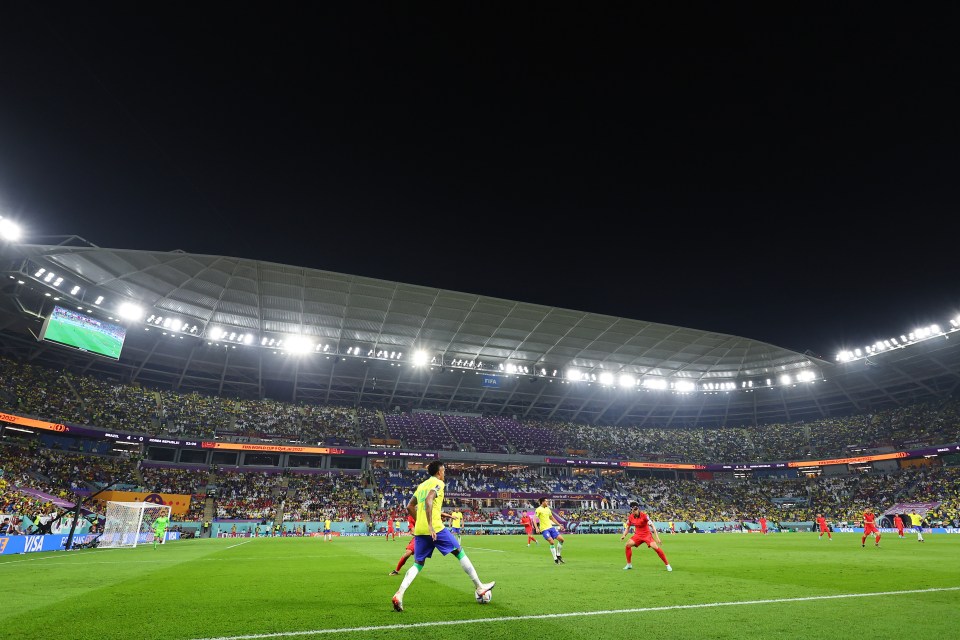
(788, 178)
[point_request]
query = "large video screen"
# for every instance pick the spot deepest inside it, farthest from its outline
(80, 331)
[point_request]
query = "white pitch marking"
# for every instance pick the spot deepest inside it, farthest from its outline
(239, 544)
(547, 616)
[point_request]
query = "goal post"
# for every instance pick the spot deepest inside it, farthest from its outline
(131, 523)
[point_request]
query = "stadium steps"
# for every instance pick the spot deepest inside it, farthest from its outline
(73, 390)
(209, 509)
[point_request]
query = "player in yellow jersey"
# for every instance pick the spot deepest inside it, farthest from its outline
(426, 506)
(547, 526)
(456, 522)
(327, 533)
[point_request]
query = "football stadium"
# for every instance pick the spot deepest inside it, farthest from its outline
(457, 320)
(282, 417)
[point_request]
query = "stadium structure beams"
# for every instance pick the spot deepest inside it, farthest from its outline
(343, 311)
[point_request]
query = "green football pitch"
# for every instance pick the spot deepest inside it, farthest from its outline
(86, 339)
(723, 586)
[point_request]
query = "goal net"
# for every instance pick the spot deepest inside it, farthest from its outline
(131, 523)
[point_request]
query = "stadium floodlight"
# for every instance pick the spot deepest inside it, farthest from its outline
(9, 230)
(627, 381)
(74, 290)
(50, 276)
(420, 358)
(299, 344)
(785, 379)
(130, 311)
(98, 300)
(684, 386)
(216, 333)
(606, 378)
(654, 383)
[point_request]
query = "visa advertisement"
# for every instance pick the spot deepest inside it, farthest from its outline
(11, 545)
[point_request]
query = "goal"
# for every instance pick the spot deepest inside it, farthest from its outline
(130, 523)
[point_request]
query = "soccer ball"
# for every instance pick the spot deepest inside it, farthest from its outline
(485, 598)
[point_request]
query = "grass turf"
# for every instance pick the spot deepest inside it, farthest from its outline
(723, 586)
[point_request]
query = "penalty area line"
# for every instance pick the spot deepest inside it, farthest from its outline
(577, 614)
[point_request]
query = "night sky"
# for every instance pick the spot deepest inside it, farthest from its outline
(787, 178)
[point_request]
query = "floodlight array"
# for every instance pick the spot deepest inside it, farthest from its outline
(916, 336)
(303, 345)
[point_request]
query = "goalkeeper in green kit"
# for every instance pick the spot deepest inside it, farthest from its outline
(159, 528)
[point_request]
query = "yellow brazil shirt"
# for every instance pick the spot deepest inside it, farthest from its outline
(431, 484)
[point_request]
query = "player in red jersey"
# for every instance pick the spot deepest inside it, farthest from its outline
(870, 526)
(390, 532)
(643, 533)
(411, 523)
(528, 527)
(898, 523)
(763, 525)
(824, 527)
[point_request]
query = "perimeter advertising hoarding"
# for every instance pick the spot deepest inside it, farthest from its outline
(10, 545)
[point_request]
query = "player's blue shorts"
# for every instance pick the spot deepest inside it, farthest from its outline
(423, 546)
(326, 530)
(456, 531)
(550, 533)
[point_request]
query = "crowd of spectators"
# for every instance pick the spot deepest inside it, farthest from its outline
(66, 397)
(61, 396)
(379, 493)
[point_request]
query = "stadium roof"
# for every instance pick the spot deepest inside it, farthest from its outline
(489, 355)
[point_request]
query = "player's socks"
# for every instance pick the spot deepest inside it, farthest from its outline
(662, 556)
(468, 568)
(629, 554)
(408, 577)
(553, 552)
